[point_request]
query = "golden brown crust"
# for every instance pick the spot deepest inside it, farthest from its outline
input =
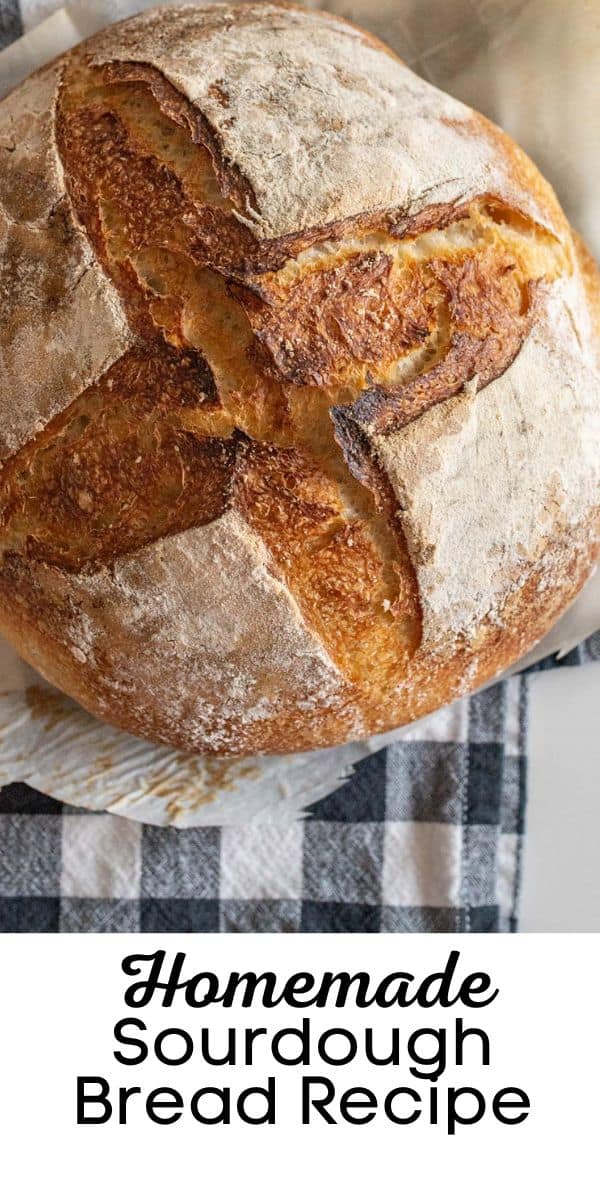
(37, 607)
(120, 468)
(487, 332)
(338, 461)
(331, 566)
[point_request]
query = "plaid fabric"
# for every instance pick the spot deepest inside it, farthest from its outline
(425, 835)
(588, 651)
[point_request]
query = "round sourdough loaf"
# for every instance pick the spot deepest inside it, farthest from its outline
(300, 403)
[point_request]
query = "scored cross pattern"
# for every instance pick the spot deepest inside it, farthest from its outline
(425, 836)
(259, 367)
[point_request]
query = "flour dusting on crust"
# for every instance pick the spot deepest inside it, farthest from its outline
(485, 480)
(321, 122)
(220, 642)
(298, 394)
(61, 321)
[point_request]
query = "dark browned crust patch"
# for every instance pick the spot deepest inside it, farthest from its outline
(334, 319)
(487, 332)
(131, 461)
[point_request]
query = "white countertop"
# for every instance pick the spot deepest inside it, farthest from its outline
(561, 865)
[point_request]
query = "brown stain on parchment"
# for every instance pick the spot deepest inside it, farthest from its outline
(219, 776)
(213, 776)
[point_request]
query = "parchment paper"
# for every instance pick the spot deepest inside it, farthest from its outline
(531, 65)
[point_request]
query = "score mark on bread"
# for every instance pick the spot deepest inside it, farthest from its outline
(267, 377)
